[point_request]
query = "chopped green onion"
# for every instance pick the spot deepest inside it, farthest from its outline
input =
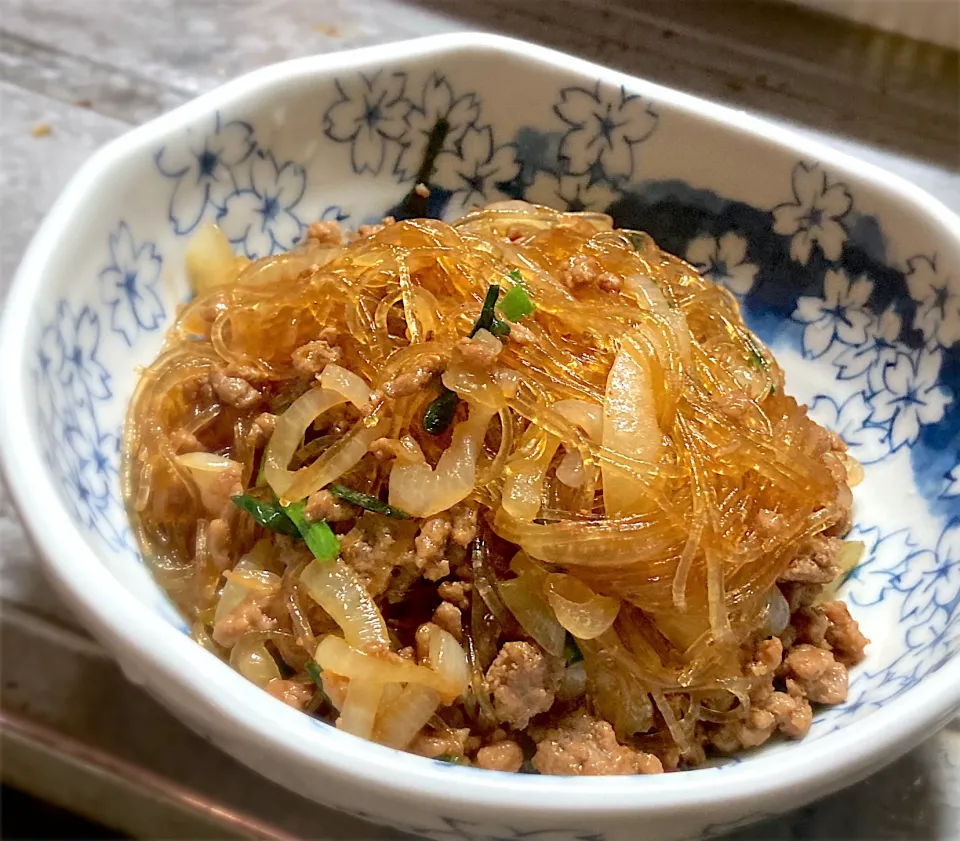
(500, 328)
(571, 651)
(318, 536)
(515, 276)
(371, 503)
(270, 515)
(638, 239)
(527, 767)
(440, 412)
(487, 314)
(757, 358)
(516, 304)
(449, 757)
(312, 668)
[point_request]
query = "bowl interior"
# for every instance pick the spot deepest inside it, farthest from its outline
(854, 283)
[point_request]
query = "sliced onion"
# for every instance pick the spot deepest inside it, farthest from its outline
(525, 472)
(476, 387)
(360, 708)
(337, 656)
(524, 597)
(338, 590)
(399, 722)
(778, 612)
(251, 658)
(207, 470)
(339, 458)
(588, 416)
(234, 591)
(423, 491)
(629, 427)
(582, 612)
(570, 470)
(847, 559)
(448, 660)
(346, 383)
(509, 381)
(210, 259)
(288, 436)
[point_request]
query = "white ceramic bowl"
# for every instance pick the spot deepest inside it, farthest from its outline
(850, 275)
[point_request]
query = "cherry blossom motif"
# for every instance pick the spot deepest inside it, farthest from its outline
(839, 315)
(128, 285)
(724, 260)
(932, 587)
(605, 126)
(472, 173)
(815, 216)
(437, 102)
(937, 293)
(952, 485)
(261, 218)
(369, 115)
(569, 192)
(78, 337)
(911, 398)
(869, 358)
(850, 420)
(201, 163)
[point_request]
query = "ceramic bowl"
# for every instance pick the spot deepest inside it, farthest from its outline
(852, 277)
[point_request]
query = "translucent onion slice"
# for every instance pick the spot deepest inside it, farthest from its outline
(629, 427)
(337, 656)
(346, 383)
(588, 416)
(448, 659)
(336, 588)
(399, 722)
(423, 491)
(570, 470)
(288, 436)
(206, 470)
(847, 559)
(582, 612)
(360, 708)
(251, 658)
(234, 591)
(210, 260)
(525, 473)
(524, 598)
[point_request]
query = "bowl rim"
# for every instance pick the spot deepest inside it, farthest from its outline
(818, 766)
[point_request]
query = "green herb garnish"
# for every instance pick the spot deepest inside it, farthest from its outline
(440, 412)
(269, 514)
(500, 328)
(516, 277)
(449, 757)
(487, 311)
(637, 239)
(371, 503)
(318, 536)
(516, 304)
(756, 357)
(571, 651)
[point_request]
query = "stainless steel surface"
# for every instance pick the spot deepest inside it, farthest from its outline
(89, 70)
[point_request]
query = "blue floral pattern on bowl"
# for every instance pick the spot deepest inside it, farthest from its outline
(813, 273)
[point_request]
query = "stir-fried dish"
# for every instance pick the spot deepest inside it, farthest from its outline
(521, 492)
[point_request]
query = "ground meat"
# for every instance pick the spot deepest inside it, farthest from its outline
(582, 745)
(323, 505)
(219, 543)
(810, 626)
(456, 592)
(580, 270)
(767, 658)
(216, 497)
(814, 563)
(463, 524)
(185, 442)
(502, 756)
(431, 546)
(476, 353)
(521, 335)
(325, 232)
(814, 672)
(410, 380)
(370, 230)
(310, 359)
(422, 190)
(447, 742)
(295, 695)
(448, 617)
(769, 711)
(262, 429)
(843, 634)
(248, 616)
(523, 681)
(368, 552)
(609, 282)
(234, 391)
(799, 595)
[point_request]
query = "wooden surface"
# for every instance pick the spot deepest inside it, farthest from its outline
(89, 69)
